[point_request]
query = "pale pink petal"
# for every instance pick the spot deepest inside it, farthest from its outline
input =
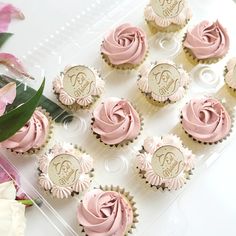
(7, 12)
(13, 64)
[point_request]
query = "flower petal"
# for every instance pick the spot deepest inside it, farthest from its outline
(13, 64)
(7, 96)
(7, 12)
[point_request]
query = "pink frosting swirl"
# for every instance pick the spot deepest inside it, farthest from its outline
(104, 213)
(206, 120)
(31, 136)
(207, 40)
(125, 44)
(116, 121)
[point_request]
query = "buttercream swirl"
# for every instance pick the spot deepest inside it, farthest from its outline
(207, 40)
(31, 136)
(206, 120)
(104, 213)
(125, 44)
(116, 121)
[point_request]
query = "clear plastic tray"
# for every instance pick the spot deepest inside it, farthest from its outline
(78, 42)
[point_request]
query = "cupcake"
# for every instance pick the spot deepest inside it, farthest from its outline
(107, 211)
(167, 16)
(65, 170)
(125, 47)
(33, 135)
(116, 122)
(230, 74)
(163, 82)
(164, 162)
(206, 42)
(78, 86)
(206, 120)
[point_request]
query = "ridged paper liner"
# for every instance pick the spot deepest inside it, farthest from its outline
(75, 107)
(162, 187)
(49, 135)
(91, 175)
(129, 200)
(126, 66)
(232, 117)
(189, 55)
(125, 142)
(231, 90)
(154, 28)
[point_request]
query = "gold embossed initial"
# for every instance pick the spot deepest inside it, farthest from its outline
(79, 81)
(167, 8)
(164, 79)
(168, 161)
(63, 170)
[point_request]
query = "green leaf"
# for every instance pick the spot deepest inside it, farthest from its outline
(15, 119)
(4, 37)
(56, 112)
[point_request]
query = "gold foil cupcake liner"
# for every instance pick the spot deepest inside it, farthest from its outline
(232, 117)
(75, 107)
(124, 143)
(193, 60)
(126, 66)
(48, 138)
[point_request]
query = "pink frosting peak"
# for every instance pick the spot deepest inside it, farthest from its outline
(104, 213)
(31, 136)
(125, 44)
(207, 40)
(116, 121)
(206, 120)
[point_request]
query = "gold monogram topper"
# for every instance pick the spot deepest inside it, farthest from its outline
(167, 8)
(63, 170)
(168, 162)
(79, 81)
(164, 79)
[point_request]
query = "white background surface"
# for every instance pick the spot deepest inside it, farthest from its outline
(207, 206)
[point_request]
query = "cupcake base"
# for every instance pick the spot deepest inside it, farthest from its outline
(126, 66)
(154, 28)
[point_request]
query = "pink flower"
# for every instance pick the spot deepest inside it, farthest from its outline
(7, 12)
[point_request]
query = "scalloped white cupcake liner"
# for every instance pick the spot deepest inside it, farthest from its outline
(231, 90)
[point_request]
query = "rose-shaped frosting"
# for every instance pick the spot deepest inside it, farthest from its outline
(180, 19)
(125, 44)
(31, 136)
(206, 120)
(144, 162)
(104, 213)
(230, 75)
(207, 40)
(116, 121)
